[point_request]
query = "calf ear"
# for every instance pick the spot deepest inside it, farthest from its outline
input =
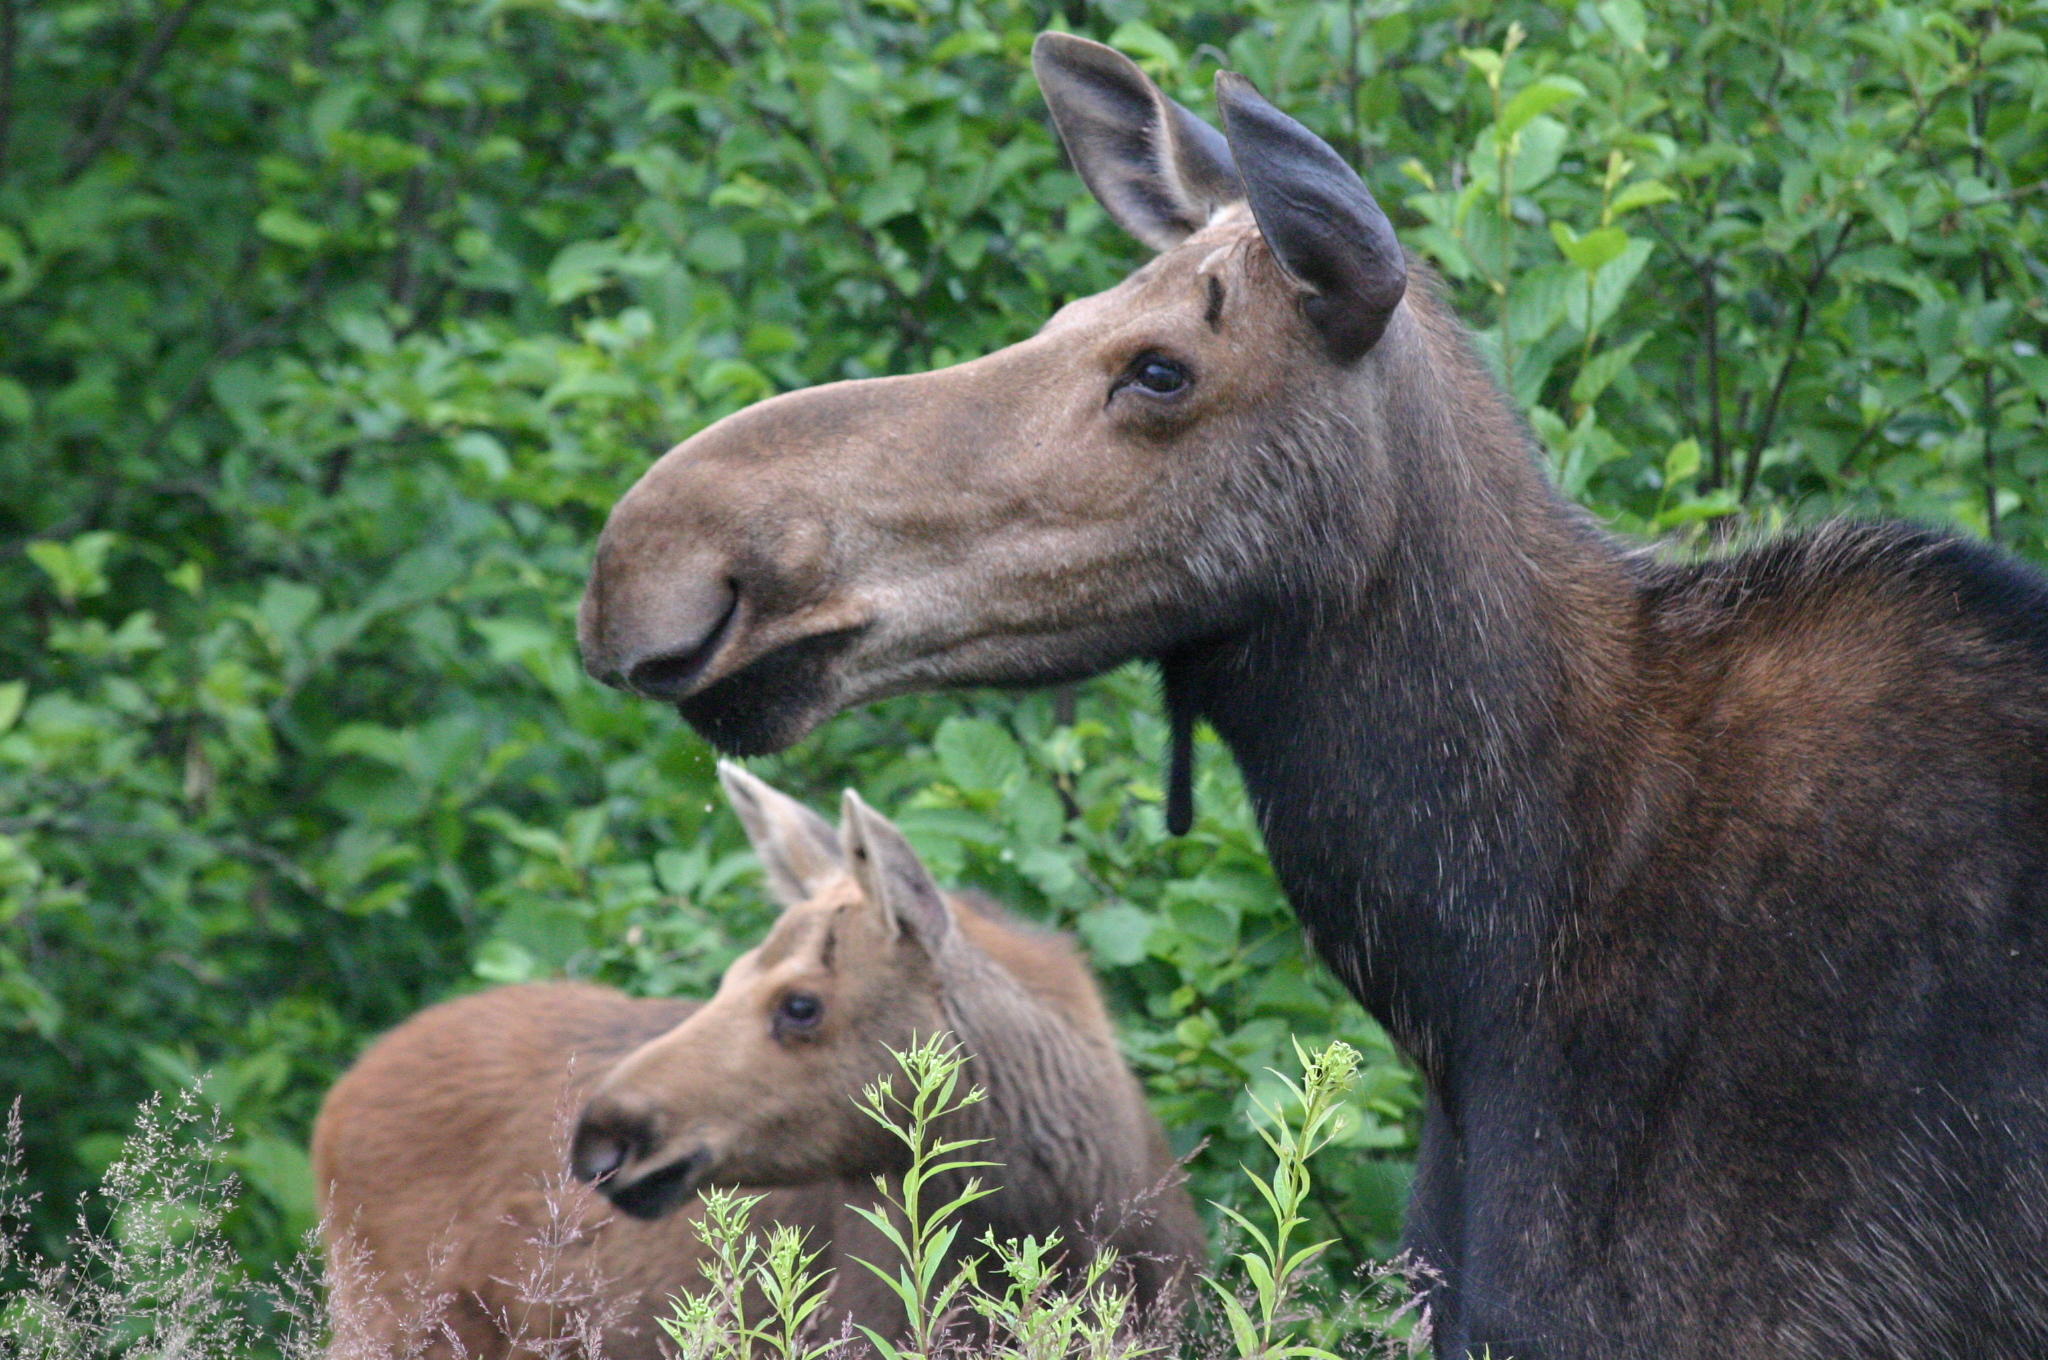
(1318, 218)
(892, 875)
(798, 848)
(1158, 169)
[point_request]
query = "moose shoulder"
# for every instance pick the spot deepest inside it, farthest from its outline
(1711, 898)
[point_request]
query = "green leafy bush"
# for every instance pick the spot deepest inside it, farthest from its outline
(331, 332)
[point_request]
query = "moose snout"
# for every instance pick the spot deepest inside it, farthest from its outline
(608, 1136)
(652, 626)
(668, 673)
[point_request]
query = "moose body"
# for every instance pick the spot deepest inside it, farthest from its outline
(453, 1226)
(1710, 898)
(443, 1158)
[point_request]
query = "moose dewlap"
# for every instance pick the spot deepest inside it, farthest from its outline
(1711, 898)
(444, 1158)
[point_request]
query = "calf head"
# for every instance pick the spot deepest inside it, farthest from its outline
(758, 1086)
(1141, 473)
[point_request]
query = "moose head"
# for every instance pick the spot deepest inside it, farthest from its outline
(1109, 488)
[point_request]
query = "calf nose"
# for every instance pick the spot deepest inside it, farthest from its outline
(608, 1137)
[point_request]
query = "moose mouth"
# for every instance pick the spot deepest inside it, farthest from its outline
(661, 1190)
(772, 701)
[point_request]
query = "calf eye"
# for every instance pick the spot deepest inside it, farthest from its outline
(797, 1014)
(1155, 375)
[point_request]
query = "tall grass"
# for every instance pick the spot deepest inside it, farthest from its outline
(147, 1270)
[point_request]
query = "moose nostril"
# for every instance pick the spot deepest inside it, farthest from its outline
(669, 675)
(600, 1157)
(599, 1152)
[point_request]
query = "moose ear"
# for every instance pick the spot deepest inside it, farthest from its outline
(891, 875)
(1318, 218)
(798, 848)
(1158, 169)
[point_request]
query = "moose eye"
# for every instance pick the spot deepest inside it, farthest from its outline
(797, 1013)
(1155, 375)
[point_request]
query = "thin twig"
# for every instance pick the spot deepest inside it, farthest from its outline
(145, 66)
(234, 846)
(8, 33)
(1767, 423)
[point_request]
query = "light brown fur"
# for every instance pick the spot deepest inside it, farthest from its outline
(442, 1157)
(441, 1163)
(741, 1094)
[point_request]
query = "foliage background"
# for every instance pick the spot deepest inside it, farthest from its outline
(329, 332)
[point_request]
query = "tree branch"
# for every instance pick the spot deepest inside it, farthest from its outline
(146, 65)
(1768, 422)
(9, 31)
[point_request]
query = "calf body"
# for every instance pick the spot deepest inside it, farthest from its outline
(1710, 898)
(452, 1224)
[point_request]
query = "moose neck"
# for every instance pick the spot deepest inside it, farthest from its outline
(1057, 1111)
(1427, 736)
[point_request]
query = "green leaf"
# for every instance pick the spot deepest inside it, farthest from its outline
(1116, 934)
(483, 452)
(1626, 20)
(1682, 463)
(716, 249)
(501, 961)
(1148, 47)
(1603, 368)
(1643, 193)
(1594, 249)
(1538, 149)
(77, 568)
(17, 407)
(977, 755)
(288, 228)
(1539, 96)
(580, 268)
(1483, 60)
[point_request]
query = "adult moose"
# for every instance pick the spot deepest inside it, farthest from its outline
(1711, 898)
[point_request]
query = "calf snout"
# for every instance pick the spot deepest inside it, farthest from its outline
(609, 1135)
(624, 1148)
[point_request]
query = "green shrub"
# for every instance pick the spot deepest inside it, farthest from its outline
(333, 330)
(147, 1270)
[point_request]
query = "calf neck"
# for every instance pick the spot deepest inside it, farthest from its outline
(1709, 897)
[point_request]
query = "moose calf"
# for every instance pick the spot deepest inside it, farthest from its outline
(440, 1157)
